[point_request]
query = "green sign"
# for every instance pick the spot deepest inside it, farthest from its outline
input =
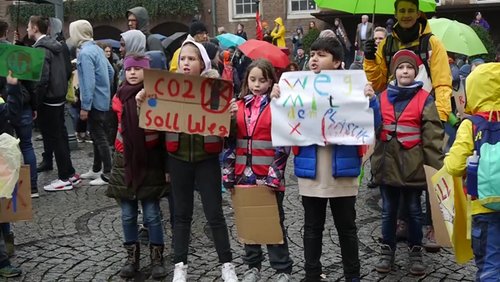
(25, 62)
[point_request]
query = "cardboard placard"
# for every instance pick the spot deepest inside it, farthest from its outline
(19, 206)
(256, 215)
(460, 99)
(438, 208)
(186, 103)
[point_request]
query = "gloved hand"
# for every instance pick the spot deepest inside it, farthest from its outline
(370, 49)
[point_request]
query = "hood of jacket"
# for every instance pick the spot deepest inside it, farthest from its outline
(203, 52)
(55, 27)
(80, 32)
(135, 42)
(279, 21)
(141, 14)
(49, 43)
(482, 89)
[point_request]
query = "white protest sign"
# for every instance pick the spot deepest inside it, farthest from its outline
(325, 108)
(459, 96)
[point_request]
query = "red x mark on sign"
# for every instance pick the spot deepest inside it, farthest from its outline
(295, 128)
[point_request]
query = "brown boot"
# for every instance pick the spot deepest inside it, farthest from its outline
(158, 269)
(386, 259)
(417, 266)
(429, 242)
(132, 264)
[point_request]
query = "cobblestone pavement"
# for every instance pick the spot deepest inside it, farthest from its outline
(76, 236)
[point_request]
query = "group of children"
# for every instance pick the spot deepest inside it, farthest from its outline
(409, 134)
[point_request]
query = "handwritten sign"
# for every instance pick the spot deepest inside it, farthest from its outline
(325, 108)
(185, 103)
(459, 96)
(24, 62)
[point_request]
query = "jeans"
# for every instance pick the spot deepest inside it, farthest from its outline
(344, 216)
(206, 174)
(98, 124)
(279, 255)
(486, 246)
(151, 217)
(24, 131)
(390, 203)
(55, 139)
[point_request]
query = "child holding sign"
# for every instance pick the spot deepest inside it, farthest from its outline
(329, 174)
(251, 159)
(138, 172)
(411, 135)
(473, 153)
(194, 159)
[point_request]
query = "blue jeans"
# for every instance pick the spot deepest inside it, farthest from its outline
(24, 129)
(151, 217)
(486, 246)
(390, 203)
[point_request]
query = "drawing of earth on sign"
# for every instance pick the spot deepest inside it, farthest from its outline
(19, 62)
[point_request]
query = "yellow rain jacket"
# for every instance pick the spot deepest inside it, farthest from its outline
(278, 33)
(483, 98)
(376, 70)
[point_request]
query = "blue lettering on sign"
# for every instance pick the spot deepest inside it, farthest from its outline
(321, 79)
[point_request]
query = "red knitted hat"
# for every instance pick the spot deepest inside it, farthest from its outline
(405, 56)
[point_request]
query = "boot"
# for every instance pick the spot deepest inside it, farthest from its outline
(158, 269)
(132, 264)
(9, 243)
(417, 266)
(386, 259)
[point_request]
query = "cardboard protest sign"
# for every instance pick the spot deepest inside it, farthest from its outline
(25, 62)
(325, 108)
(186, 103)
(19, 206)
(449, 212)
(256, 215)
(459, 96)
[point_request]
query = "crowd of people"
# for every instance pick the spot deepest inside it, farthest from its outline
(409, 91)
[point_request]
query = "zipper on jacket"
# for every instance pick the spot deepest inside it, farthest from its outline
(191, 148)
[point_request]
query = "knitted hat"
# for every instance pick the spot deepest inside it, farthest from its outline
(196, 28)
(211, 49)
(405, 56)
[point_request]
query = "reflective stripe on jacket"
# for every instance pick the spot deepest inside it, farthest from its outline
(407, 127)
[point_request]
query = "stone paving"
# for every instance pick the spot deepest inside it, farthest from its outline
(76, 236)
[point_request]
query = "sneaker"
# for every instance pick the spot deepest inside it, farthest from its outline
(98, 182)
(35, 195)
(10, 271)
(75, 179)
(91, 175)
(180, 272)
(283, 277)
(251, 275)
(229, 272)
(58, 185)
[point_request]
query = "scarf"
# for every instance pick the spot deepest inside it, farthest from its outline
(133, 136)
(409, 35)
(397, 93)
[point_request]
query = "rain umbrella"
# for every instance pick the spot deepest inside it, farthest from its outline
(174, 41)
(257, 49)
(457, 37)
(227, 40)
(385, 7)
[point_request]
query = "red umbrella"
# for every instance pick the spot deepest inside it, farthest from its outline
(257, 49)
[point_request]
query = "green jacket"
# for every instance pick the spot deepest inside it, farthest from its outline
(192, 149)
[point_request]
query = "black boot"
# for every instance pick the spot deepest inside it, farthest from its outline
(158, 269)
(386, 259)
(45, 164)
(132, 264)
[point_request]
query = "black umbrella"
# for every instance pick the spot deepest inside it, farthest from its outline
(174, 41)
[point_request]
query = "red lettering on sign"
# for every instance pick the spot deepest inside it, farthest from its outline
(157, 89)
(172, 125)
(198, 126)
(223, 131)
(188, 94)
(173, 87)
(148, 118)
(295, 128)
(158, 121)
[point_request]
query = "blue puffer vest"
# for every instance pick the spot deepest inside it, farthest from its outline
(346, 161)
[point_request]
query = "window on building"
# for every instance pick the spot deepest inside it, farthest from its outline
(244, 7)
(300, 6)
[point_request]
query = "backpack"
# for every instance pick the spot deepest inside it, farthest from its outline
(422, 51)
(483, 175)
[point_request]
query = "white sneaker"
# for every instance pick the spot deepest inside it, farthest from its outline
(91, 175)
(180, 272)
(98, 182)
(58, 185)
(229, 273)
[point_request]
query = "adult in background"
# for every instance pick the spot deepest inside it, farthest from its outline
(199, 32)
(364, 32)
(297, 39)
(379, 34)
(480, 21)
(95, 75)
(138, 18)
(240, 31)
(278, 33)
(410, 31)
(300, 59)
(339, 30)
(51, 95)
